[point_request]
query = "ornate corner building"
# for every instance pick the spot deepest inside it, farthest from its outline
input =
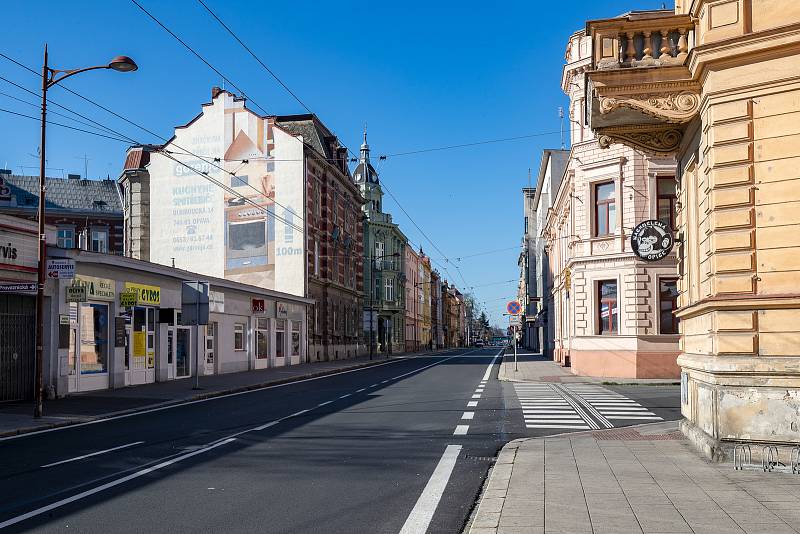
(716, 84)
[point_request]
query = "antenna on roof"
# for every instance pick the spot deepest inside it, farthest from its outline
(561, 120)
(85, 159)
(529, 177)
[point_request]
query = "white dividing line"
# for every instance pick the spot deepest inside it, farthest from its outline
(93, 454)
(584, 427)
(421, 515)
(476, 396)
(472, 404)
(468, 415)
(461, 430)
(488, 372)
(103, 487)
(360, 390)
(267, 425)
(654, 417)
(345, 395)
(324, 403)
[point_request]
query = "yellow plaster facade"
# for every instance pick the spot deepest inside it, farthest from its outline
(717, 84)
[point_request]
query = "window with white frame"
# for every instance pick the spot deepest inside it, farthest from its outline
(99, 241)
(66, 237)
(238, 336)
(379, 252)
(389, 289)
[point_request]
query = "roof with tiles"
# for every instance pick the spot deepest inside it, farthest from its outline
(63, 195)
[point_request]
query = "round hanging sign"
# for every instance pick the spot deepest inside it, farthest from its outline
(652, 240)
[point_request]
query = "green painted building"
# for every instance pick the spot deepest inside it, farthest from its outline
(384, 269)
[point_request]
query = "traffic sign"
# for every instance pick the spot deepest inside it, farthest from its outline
(515, 320)
(61, 269)
(514, 307)
(17, 288)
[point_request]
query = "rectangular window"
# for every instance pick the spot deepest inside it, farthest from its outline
(262, 338)
(280, 338)
(667, 304)
(389, 285)
(526, 225)
(238, 336)
(295, 338)
(607, 310)
(666, 201)
(379, 255)
(605, 213)
(99, 240)
(94, 338)
(66, 238)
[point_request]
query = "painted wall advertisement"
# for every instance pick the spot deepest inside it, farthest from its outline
(240, 233)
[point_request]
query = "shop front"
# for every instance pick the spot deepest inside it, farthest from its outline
(142, 314)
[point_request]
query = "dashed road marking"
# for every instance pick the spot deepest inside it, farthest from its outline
(461, 430)
(468, 415)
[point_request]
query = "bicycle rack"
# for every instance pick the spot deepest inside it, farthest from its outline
(795, 460)
(741, 456)
(769, 458)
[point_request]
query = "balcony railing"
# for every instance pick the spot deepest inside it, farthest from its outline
(633, 41)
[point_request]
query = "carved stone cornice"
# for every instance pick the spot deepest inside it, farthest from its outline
(674, 108)
(654, 139)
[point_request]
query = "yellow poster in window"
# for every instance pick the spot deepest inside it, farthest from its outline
(139, 344)
(145, 295)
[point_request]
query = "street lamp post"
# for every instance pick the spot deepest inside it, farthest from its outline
(372, 298)
(50, 77)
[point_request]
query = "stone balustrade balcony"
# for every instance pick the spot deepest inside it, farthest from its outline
(641, 92)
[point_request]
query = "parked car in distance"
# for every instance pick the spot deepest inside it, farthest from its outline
(479, 343)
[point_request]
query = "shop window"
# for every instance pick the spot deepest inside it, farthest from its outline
(667, 304)
(93, 339)
(666, 201)
(262, 338)
(238, 336)
(66, 237)
(605, 212)
(280, 337)
(295, 338)
(607, 310)
(99, 241)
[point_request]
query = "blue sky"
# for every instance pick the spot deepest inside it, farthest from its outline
(421, 75)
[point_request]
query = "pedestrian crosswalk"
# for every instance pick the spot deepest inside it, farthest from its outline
(612, 405)
(577, 407)
(543, 407)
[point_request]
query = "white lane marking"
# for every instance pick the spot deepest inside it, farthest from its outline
(604, 409)
(323, 403)
(488, 372)
(461, 430)
(374, 385)
(384, 381)
(655, 417)
(476, 396)
(472, 404)
(345, 395)
(267, 425)
(360, 390)
(557, 421)
(552, 416)
(93, 454)
(421, 515)
(547, 411)
(98, 489)
(295, 414)
(468, 415)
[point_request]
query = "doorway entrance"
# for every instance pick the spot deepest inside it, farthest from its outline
(211, 348)
(143, 346)
(17, 313)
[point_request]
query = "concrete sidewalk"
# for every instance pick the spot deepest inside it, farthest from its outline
(641, 479)
(533, 367)
(17, 418)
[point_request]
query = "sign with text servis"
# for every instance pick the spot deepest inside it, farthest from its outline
(651, 240)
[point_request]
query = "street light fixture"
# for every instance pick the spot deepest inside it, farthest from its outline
(51, 77)
(372, 298)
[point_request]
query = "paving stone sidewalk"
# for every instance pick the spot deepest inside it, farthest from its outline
(533, 367)
(16, 418)
(643, 479)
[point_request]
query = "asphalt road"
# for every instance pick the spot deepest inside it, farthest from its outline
(400, 447)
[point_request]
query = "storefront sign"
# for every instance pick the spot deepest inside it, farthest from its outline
(127, 299)
(216, 301)
(96, 288)
(119, 332)
(283, 310)
(61, 269)
(75, 293)
(17, 288)
(651, 240)
(145, 295)
(259, 306)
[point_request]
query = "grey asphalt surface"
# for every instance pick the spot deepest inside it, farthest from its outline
(356, 461)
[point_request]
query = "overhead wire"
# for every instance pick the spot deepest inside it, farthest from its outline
(62, 125)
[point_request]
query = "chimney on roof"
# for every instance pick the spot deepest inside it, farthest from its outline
(215, 91)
